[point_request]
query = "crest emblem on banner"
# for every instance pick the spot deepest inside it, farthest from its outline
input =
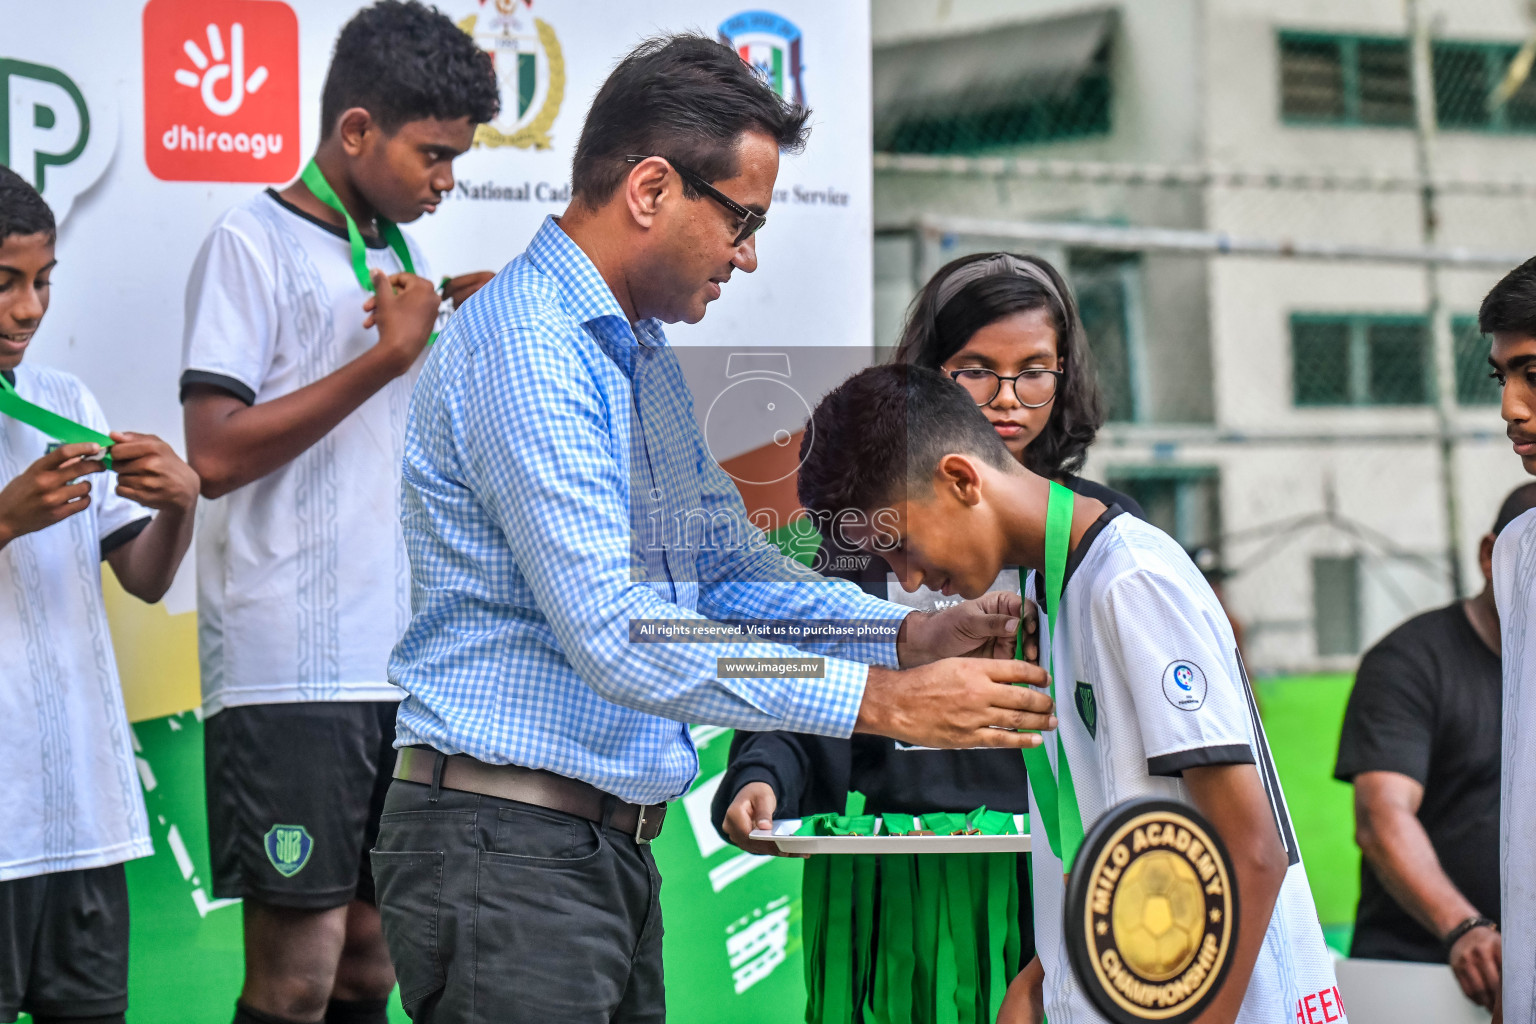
(288, 848)
(770, 44)
(530, 71)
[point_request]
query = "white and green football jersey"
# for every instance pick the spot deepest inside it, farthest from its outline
(1150, 683)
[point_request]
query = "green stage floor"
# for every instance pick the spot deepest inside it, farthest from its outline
(733, 938)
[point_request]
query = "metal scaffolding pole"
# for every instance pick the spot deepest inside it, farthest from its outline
(1193, 243)
(1444, 345)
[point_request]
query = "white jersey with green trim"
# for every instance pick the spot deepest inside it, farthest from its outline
(303, 582)
(1149, 683)
(1514, 590)
(72, 794)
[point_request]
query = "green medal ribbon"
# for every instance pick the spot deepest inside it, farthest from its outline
(1055, 796)
(60, 428)
(388, 229)
(316, 183)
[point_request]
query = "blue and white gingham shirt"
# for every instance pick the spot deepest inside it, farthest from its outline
(545, 435)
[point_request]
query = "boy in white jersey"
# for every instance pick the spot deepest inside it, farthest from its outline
(1508, 316)
(307, 310)
(1152, 695)
(72, 812)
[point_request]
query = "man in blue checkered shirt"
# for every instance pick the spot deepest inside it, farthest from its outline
(551, 454)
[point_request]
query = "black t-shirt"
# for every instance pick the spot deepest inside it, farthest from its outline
(1426, 704)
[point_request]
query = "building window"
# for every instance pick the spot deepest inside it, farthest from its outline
(1359, 360)
(1368, 80)
(1345, 80)
(1015, 85)
(1474, 380)
(1336, 605)
(1182, 501)
(1109, 299)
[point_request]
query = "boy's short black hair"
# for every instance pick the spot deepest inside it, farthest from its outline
(22, 210)
(403, 61)
(1510, 307)
(685, 97)
(883, 431)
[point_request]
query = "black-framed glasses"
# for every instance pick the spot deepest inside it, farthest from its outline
(1033, 388)
(751, 220)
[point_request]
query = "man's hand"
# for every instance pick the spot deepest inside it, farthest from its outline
(958, 703)
(753, 808)
(462, 287)
(405, 308)
(48, 491)
(983, 628)
(150, 473)
(1025, 1001)
(1478, 961)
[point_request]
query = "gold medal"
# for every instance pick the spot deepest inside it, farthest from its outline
(1151, 913)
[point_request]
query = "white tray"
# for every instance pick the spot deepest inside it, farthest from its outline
(783, 836)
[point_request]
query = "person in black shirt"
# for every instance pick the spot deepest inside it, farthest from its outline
(1421, 743)
(1005, 328)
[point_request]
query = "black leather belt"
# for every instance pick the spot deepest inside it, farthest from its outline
(529, 786)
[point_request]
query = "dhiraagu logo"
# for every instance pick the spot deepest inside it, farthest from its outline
(50, 134)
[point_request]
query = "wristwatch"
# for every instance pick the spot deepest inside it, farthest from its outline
(1475, 921)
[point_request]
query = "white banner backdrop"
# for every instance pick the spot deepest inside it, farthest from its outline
(143, 124)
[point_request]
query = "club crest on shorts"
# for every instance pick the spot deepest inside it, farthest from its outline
(288, 848)
(1087, 708)
(1151, 914)
(1184, 685)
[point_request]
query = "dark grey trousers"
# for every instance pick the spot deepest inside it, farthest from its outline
(501, 911)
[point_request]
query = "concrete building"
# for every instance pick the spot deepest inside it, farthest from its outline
(1279, 410)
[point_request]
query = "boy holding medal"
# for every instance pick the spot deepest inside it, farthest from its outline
(73, 811)
(1157, 703)
(307, 310)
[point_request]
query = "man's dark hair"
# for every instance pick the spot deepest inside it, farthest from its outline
(403, 61)
(1510, 307)
(688, 98)
(1521, 500)
(935, 331)
(22, 210)
(883, 431)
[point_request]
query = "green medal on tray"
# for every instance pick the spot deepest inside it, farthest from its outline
(921, 938)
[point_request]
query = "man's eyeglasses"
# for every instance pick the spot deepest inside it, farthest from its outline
(1033, 388)
(750, 220)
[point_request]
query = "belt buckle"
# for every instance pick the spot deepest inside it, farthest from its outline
(640, 839)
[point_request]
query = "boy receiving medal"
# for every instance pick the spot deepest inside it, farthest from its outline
(1155, 705)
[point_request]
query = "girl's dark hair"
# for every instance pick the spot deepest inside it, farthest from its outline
(933, 333)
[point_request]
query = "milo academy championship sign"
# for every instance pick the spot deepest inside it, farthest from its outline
(1151, 913)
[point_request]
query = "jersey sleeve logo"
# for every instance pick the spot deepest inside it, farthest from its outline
(1087, 708)
(1184, 685)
